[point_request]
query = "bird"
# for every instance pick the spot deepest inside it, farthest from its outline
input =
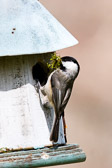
(56, 91)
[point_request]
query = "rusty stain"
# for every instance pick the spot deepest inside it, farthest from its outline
(13, 30)
(10, 159)
(28, 158)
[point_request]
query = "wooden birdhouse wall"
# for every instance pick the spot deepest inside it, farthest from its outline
(23, 123)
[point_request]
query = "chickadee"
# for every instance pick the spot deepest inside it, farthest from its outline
(57, 91)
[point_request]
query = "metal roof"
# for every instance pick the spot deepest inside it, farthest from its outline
(26, 27)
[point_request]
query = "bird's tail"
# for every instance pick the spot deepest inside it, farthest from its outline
(55, 130)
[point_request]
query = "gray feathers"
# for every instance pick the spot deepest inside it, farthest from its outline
(57, 90)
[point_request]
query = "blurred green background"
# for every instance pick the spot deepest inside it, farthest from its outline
(89, 111)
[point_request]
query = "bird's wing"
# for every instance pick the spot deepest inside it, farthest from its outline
(60, 93)
(66, 98)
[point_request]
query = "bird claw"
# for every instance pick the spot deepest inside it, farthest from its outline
(37, 87)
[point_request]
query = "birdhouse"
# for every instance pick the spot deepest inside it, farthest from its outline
(28, 34)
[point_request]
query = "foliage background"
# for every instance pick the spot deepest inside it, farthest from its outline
(89, 111)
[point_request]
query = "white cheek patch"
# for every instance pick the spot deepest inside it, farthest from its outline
(75, 67)
(71, 66)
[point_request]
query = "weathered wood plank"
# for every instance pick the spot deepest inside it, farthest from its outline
(42, 157)
(23, 123)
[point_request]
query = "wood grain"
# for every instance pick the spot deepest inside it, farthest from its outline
(23, 123)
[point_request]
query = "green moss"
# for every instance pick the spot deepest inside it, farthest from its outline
(55, 62)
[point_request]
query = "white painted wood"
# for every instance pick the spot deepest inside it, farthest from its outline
(23, 123)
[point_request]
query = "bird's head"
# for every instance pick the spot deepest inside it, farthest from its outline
(70, 64)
